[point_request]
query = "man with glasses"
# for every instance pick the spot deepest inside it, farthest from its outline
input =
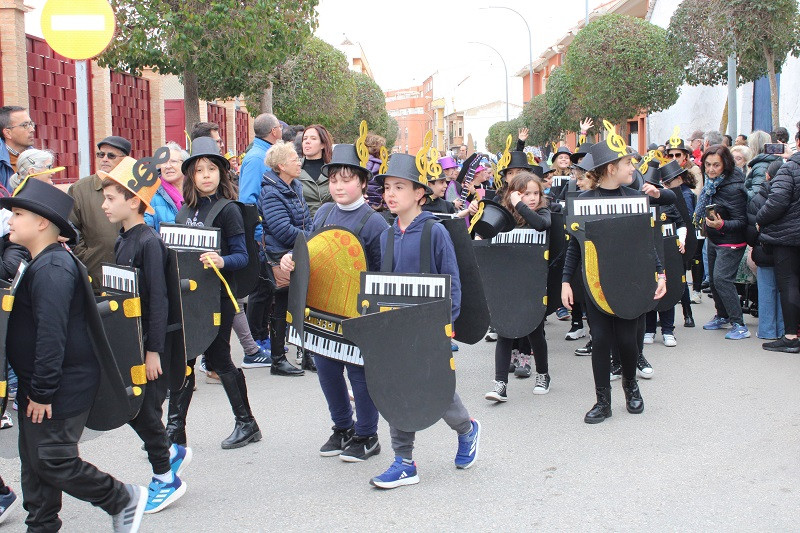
(17, 132)
(96, 235)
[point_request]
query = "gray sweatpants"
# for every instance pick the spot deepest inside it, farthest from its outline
(242, 329)
(456, 417)
(723, 263)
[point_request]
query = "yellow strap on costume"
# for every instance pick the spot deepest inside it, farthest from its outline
(477, 217)
(225, 284)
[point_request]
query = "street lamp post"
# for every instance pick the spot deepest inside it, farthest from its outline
(530, 46)
(505, 68)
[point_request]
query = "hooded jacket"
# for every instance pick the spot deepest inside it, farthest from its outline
(779, 218)
(315, 192)
(285, 214)
(758, 173)
(731, 200)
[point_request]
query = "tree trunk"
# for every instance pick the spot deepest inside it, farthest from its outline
(191, 100)
(266, 99)
(723, 124)
(773, 85)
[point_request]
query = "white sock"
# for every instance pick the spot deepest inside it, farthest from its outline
(173, 451)
(168, 477)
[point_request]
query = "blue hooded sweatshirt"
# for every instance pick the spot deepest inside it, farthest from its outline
(443, 254)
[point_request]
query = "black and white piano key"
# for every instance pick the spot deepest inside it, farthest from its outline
(668, 230)
(190, 237)
(412, 286)
(611, 206)
(120, 279)
(333, 347)
(521, 236)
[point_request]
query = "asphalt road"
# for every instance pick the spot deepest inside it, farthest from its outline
(715, 450)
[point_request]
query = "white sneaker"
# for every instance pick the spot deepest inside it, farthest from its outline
(542, 384)
(697, 297)
(649, 338)
(575, 334)
(498, 394)
(669, 340)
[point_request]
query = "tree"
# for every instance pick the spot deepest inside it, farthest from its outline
(370, 106)
(220, 49)
(536, 117)
(392, 130)
(618, 68)
(315, 87)
(499, 132)
(562, 109)
(761, 33)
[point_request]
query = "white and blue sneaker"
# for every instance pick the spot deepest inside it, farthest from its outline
(160, 495)
(717, 323)
(738, 332)
(182, 458)
(468, 446)
(398, 474)
(8, 502)
(453, 346)
(260, 359)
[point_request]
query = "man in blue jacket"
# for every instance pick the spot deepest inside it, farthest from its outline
(268, 130)
(16, 135)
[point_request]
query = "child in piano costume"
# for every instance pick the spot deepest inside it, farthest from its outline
(404, 193)
(347, 179)
(610, 174)
(525, 199)
(207, 182)
(126, 199)
(59, 373)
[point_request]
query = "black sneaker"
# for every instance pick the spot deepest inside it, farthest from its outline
(338, 441)
(783, 345)
(491, 335)
(498, 393)
(643, 368)
(361, 449)
(616, 371)
(586, 350)
(524, 368)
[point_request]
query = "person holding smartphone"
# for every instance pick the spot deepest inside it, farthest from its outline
(722, 210)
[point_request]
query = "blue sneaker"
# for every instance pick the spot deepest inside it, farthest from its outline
(260, 359)
(562, 313)
(738, 332)
(183, 456)
(7, 504)
(453, 346)
(468, 446)
(160, 495)
(397, 475)
(267, 345)
(717, 323)
(13, 383)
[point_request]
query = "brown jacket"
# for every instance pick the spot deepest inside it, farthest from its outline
(97, 235)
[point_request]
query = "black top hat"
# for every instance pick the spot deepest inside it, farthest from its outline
(580, 152)
(652, 146)
(541, 169)
(670, 171)
(404, 166)
(345, 155)
(120, 143)
(208, 148)
(518, 160)
(676, 144)
(652, 175)
(586, 164)
(495, 218)
(611, 149)
(45, 200)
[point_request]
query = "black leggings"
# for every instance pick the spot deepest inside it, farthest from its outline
(502, 353)
(698, 270)
(787, 276)
(612, 332)
(218, 355)
(277, 334)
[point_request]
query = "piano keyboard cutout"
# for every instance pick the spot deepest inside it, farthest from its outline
(610, 206)
(326, 344)
(197, 238)
(668, 230)
(410, 286)
(120, 278)
(699, 233)
(521, 236)
(560, 181)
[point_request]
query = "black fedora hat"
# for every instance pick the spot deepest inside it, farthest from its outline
(404, 166)
(518, 160)
(586, 164)
(45, 200)
(651, 175)
(611, 149)
(345, 155)
(670, 171)
(561, 150)
(676, 144)
(580, 152)
(208, 148)
(495, 219)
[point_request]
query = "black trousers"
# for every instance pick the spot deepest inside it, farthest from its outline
(502, 353)
(277, 336)
(698, 270)
(259, 303)
(51, 465)
(218, 355)
(787, 276)
(613, 332)
(149, 426)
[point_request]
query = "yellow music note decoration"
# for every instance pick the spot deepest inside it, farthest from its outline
(614, 141)
(384, 160)
(361, 145)
(581, 140)
(675, 140)
(434, 168)
(423, 163)
(505, 159)
(645, 160)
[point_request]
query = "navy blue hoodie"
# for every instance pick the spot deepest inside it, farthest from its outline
(443, 255)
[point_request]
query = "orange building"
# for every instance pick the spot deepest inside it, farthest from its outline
(411, 108)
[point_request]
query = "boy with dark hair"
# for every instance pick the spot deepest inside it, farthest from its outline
(59, 373)
(126, 200)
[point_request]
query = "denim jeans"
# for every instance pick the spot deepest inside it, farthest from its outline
(770, 316)
(705, 259)
(723, 263)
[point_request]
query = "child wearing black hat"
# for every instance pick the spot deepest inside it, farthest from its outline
(404, 193)
(59, 374)
(138, 245)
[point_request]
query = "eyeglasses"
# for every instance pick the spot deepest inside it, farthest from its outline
(674, 156)
(175, 162)
(30, 124)
(109, 155)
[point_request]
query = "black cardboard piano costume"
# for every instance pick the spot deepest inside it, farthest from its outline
(612, 243)
(207, 295)
(62, 358)
(324, 291)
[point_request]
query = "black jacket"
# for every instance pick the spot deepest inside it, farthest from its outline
(731, 201)
(779, 218)
(50, 348)
(11, 255)
(761, 257)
